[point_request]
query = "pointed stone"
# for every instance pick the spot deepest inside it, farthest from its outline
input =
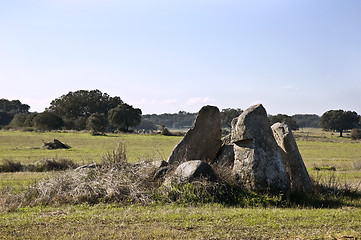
(257, 164)
(291, 158)
(202, 141)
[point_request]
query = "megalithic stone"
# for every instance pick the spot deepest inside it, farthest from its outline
(202, 141)
(257, 164)
(291, 158)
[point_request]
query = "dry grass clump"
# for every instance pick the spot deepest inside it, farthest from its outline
(356, 165)
(115, 180)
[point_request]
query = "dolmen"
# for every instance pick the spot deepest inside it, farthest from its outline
(260, 157)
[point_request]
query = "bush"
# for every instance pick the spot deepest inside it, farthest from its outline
(166, 132)
(11, 166)
(19, 120)
(48, 121)
(97, 123)
(356, 134)
(52, 164)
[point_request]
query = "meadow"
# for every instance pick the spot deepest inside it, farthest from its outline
(328, 158)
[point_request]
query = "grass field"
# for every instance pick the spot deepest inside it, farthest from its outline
(26, 147)
(322, 151)
(176, 222)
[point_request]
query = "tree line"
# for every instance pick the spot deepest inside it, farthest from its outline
(184, 120)
(99, 112)
(77, 110)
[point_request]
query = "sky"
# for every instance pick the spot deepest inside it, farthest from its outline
(166, 56)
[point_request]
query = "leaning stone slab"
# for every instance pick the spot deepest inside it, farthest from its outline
(291, 158)
(202, 141)
(192, 170)
(257, 164)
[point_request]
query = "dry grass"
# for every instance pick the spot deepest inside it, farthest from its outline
(115, 180)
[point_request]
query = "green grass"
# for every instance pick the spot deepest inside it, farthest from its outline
(175, 222)
(322, 149)
(18, 181)
(170, 221)
(341, 155)
(26, 147)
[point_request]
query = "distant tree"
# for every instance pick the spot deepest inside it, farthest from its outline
(79, 123)
(19, 120)
(228, 114)
(5, 118)
(8, 109)
(339, 120)
(356, 134)
(147, 125)
(125, 116)
(48, 121)
(180, 120)
(83, 103)
(284, 118)
(30, 120)
(13, 107)
(97, 123)
(307, 120)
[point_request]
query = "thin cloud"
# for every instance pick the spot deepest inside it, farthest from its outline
(198, 100)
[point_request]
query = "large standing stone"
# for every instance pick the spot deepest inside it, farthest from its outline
(257, 164)
(202, 141)
(291, 158)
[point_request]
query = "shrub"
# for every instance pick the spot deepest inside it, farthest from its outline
(165, 131)
(48, 121)
(52, 164)
(19, 120)
(11, 166)
(56, 165)
(356, 134)
(97, 123)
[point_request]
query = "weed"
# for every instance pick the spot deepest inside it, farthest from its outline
(356, 165)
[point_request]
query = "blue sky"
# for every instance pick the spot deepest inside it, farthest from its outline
(299, 56)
